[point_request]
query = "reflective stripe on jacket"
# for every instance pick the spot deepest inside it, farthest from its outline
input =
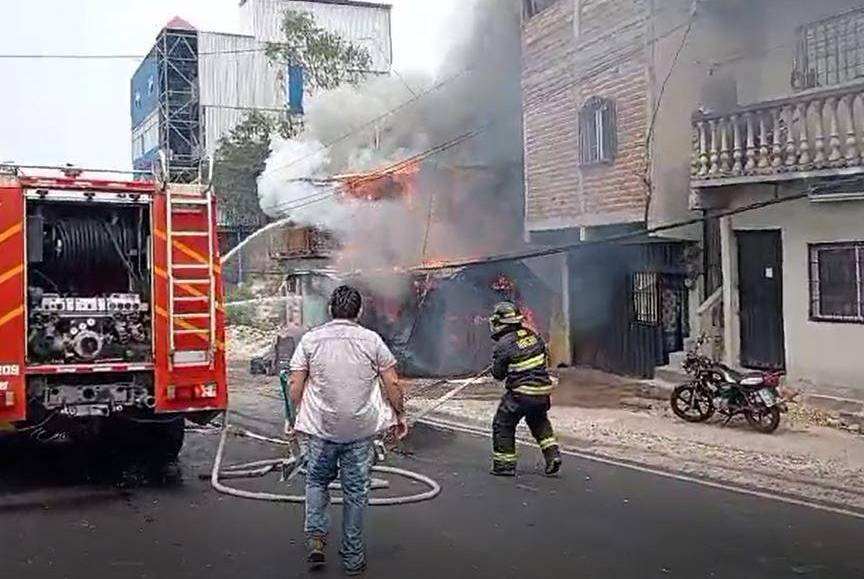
(520, 359)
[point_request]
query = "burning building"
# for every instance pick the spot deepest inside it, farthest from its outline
(431, 183)
(436, 323)
(441, 327)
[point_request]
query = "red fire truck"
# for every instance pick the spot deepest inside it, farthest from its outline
(111, 316)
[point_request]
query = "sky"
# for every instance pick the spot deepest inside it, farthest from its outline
(54, 112)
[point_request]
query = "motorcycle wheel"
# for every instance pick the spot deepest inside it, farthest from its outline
(681, 401)
(765, 421)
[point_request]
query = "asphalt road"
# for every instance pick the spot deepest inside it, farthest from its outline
(65, 513)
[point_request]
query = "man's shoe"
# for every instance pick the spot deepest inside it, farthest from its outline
(503, 469)
(355, 571)
(315, 554)
(553, 466)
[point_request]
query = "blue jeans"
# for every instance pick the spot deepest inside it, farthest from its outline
(353, 462)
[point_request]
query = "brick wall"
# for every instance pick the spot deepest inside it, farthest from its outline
(572, 51)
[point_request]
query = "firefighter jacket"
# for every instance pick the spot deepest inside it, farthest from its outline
(520, 359)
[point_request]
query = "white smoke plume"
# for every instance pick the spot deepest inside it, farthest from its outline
(480, 89)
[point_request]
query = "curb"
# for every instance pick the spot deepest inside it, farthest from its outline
(729, 486)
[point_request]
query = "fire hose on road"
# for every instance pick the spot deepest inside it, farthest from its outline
(291, 465)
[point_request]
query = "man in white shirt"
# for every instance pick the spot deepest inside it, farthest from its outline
(336, 375)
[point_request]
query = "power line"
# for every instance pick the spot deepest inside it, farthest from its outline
(688, 23)
(315, 198)
(565, 248)
(649, 197)
(72, 56)
(594, 72)
(248, 108)
(371, 122)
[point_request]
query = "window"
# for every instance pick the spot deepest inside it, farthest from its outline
(646, 303)
(597, 131)
(836, 278)
(145, 137)
(534, 7)
(830, 51)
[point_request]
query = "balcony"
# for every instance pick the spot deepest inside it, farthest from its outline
(303, 243)
(813, 134)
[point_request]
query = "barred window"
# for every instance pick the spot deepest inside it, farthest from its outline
(830, 51)
(597, 131)
(837, 282)
(534, 7)
(646, 298)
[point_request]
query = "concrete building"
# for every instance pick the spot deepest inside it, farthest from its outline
(747, 113)
(779, 123)
(591, 80)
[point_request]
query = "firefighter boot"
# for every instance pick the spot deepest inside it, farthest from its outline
(552, 456)
(503, 468)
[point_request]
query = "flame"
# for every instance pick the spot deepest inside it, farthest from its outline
(503, 283)
(529, 318)
(388, 183)
(434, 263)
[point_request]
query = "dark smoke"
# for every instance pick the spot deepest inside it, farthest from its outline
(483, 94)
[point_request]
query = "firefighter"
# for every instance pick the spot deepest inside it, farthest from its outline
(521, 361)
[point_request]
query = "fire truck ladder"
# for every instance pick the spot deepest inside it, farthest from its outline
(199, 272)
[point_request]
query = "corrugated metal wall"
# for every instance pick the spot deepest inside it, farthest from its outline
(234, 72)
(366, 25)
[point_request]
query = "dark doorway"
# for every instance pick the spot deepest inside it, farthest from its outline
(760, 283)
(628, 306)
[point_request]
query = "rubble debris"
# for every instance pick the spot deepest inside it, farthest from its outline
(246, 342)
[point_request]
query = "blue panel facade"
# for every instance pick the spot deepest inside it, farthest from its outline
(145, 90)
(295, 89)
(164, 106)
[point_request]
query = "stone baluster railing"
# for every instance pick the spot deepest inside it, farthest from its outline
(813, 131)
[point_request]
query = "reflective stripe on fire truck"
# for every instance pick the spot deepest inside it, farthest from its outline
(12, 231)
(6, 318)
(188, 251)
(18, 269)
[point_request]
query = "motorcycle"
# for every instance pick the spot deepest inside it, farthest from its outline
(714, 387)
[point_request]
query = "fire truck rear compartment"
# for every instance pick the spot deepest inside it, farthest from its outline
(88, 281)
(93, 394)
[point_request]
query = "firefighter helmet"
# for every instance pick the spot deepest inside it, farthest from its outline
(504, 314)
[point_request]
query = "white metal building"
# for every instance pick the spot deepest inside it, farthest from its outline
(366, 24)
(234, 74)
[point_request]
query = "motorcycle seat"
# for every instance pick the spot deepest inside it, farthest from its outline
(751, 380)
(746, 379)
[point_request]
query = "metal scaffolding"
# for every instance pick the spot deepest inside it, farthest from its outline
(179, 111)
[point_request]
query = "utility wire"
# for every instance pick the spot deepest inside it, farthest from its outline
(60, 56)
(389, 170)
(348, 134)
(438, 86)
(649, 139)
(565, 248)
(420, 95)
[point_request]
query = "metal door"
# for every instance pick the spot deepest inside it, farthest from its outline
(760, 286)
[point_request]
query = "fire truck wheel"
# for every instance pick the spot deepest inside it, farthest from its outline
(166, 438)
(151, 439)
